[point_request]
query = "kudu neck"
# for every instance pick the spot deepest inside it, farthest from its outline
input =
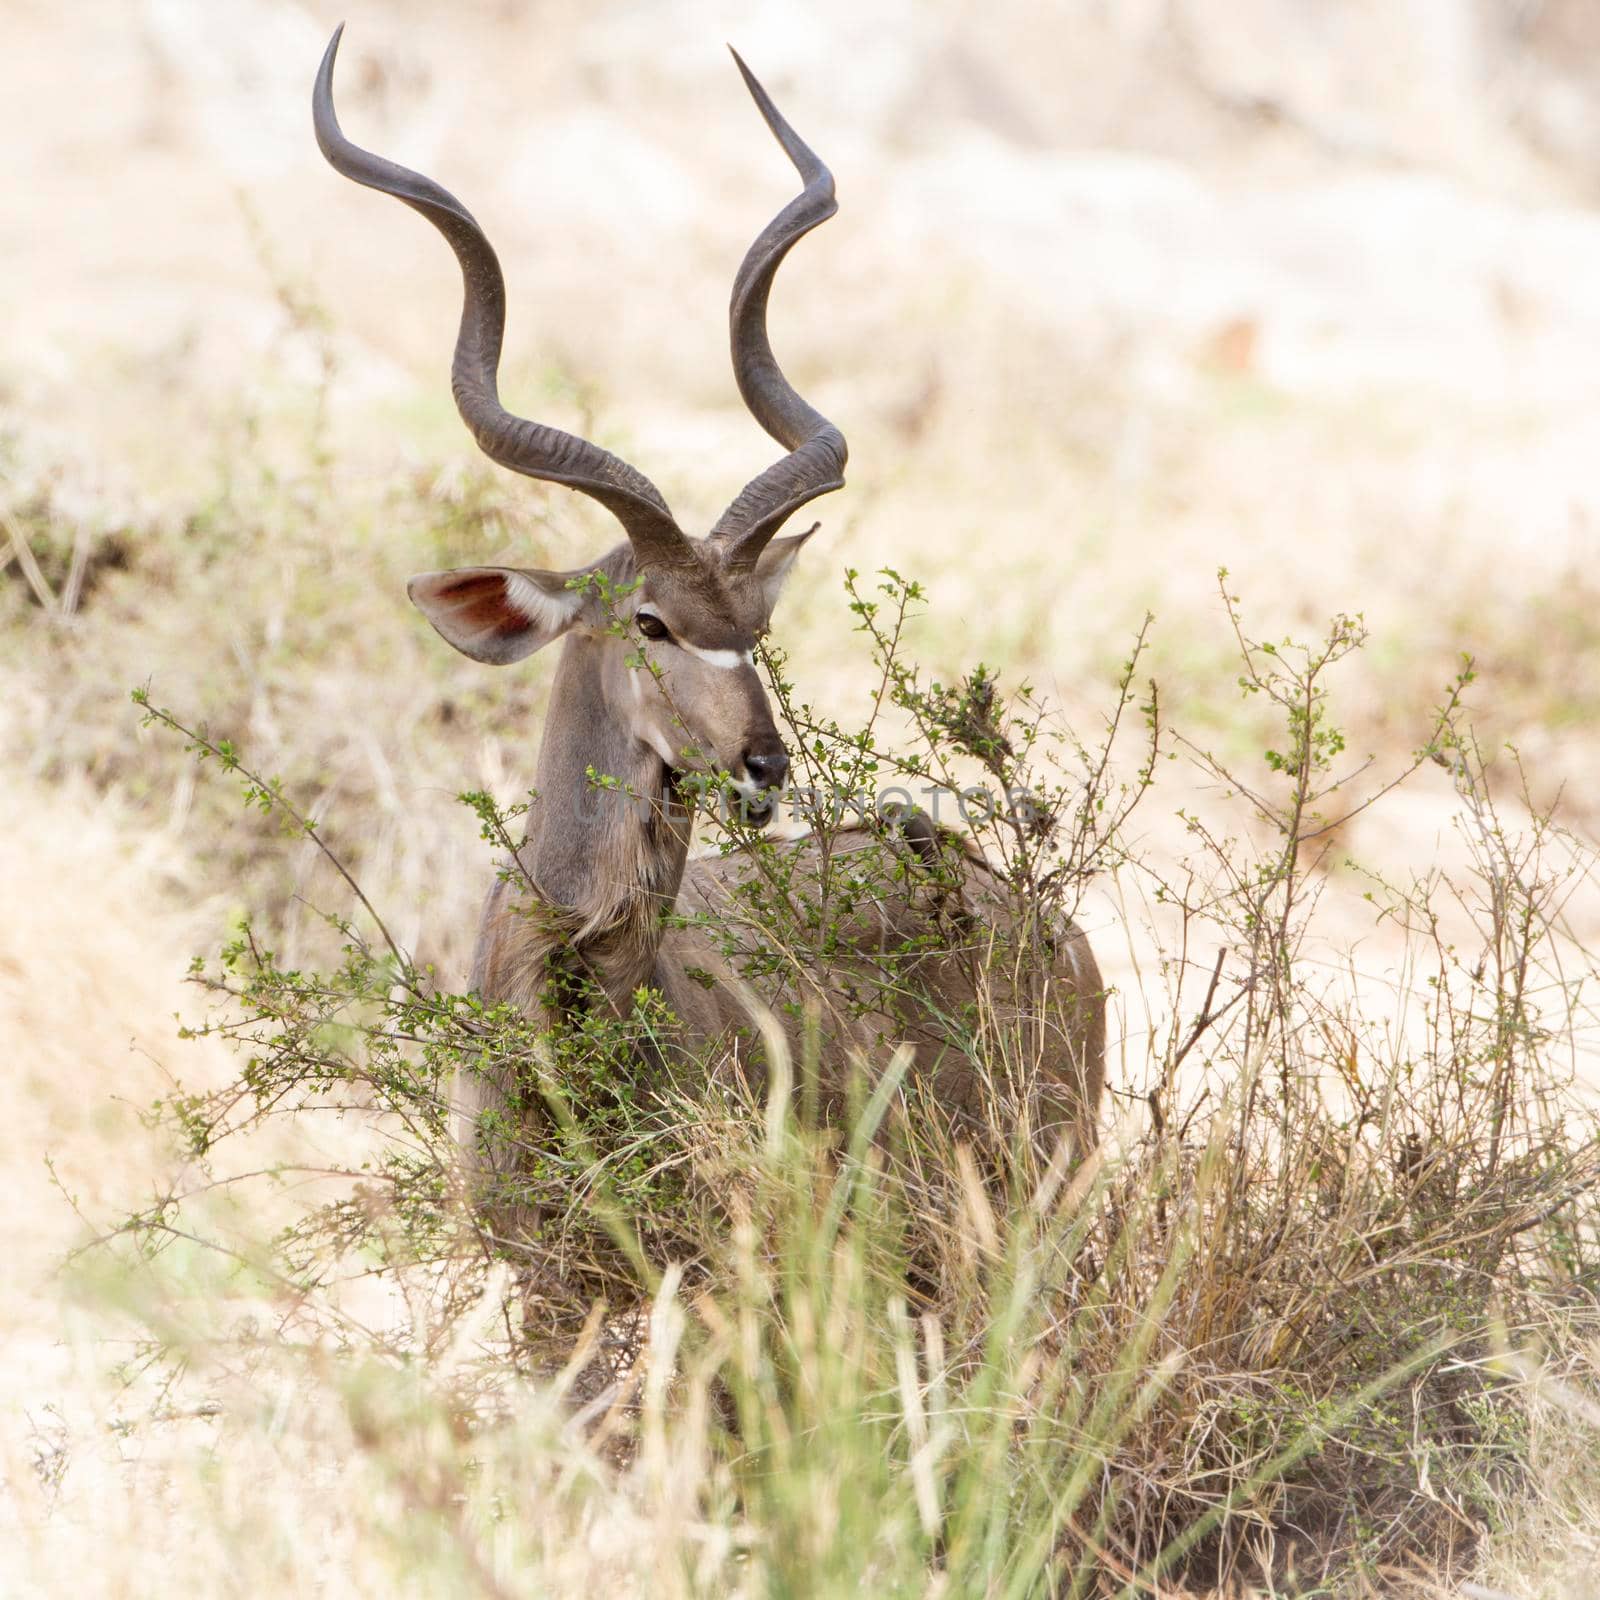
(608, 849)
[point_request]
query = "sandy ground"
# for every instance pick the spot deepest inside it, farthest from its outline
(1116, 297)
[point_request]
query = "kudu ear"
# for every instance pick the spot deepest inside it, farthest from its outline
(497, 614)
(773, 566)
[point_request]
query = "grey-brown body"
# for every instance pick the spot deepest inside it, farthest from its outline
(945, 1002)
(657, 685)
(601, 871)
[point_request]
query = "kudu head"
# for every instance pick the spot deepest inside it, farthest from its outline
(676, 618)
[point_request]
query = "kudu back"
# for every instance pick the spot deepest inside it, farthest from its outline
(656, 686)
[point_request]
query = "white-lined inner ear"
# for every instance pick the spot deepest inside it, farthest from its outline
(539, 605)
(496, 614)
(719, 658)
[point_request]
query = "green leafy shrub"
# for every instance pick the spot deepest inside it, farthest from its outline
(1263, 1331)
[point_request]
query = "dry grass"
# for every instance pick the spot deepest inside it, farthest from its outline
(1298, 1327)
(1090, 347)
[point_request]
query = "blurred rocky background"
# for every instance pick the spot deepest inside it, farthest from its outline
(1120, 292)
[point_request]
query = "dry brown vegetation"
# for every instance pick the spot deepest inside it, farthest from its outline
(1118, 295)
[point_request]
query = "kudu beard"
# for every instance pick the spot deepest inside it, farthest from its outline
(824, 806)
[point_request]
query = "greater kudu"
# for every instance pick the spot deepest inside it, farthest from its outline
(656, 681)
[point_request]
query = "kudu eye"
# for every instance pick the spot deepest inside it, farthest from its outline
(651, 626)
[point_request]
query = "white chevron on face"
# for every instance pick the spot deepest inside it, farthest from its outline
(720, 658)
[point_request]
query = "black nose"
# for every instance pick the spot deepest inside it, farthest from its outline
(767, 767)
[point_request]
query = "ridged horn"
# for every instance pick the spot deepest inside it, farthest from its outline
(528, 447)
(817, 453)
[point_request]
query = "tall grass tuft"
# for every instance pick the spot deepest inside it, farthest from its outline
(1281, 1329)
